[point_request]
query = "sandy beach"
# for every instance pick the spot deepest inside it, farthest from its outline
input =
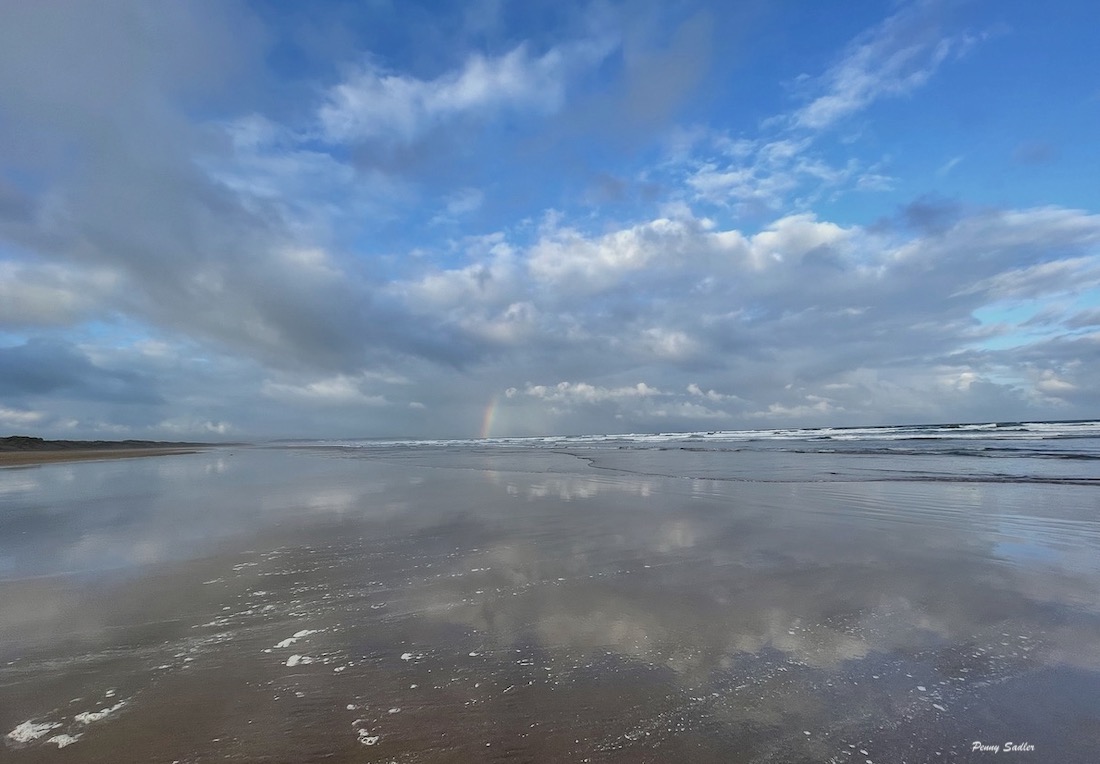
(13, 458)
(457, 604)
(24, 450)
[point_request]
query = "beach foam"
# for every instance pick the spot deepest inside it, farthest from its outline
(28, 731)
(297, 635)
(63, 740)
(89, 717)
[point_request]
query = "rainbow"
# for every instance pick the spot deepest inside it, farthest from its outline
(487, 417)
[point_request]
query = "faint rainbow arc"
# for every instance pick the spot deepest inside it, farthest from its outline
(487, 417)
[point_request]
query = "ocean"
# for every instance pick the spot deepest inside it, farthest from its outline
(1017, 452)
(883, 594)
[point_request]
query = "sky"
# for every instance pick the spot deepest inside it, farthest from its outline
(228, 220)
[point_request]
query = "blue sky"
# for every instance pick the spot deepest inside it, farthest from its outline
(247, 220)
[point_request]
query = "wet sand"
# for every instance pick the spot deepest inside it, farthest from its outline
(22, 458)
(508, 605)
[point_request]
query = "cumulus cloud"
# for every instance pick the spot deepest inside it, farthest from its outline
(710, 395)
(565, 255)
(786, 322)
(1050, 383)
(804, 320)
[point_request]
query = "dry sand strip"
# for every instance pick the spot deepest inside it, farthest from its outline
(19, 458)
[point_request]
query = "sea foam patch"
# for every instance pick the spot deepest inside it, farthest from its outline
(297, 635)
(29, 731)
(63, 740)
(90, 717)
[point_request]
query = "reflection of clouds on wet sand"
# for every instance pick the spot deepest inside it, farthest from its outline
(110, 515)
(752, 572)
(630, 613)
(14, 482)
(566, 487)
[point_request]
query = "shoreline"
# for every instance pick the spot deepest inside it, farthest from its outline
(29, 458)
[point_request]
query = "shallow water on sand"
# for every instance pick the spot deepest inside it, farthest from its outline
(454, 604)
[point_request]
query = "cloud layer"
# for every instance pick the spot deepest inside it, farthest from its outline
(208, 227)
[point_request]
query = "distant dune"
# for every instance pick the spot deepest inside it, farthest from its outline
(27, 443)
(23, 449)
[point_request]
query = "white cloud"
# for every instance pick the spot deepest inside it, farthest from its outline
(10, 417)
(669, 344)
(803, 301)
(514, 325)
(1060, 276)
(891, 59)
(464, 201)
(564, 256)
(743, 184)
(792, 237)
(339, 390)
(458, 205)
(490, 282)
(810, 295)
(194, 427)
(689, 410)
(812, 409)
(376, 104)
(583, 392)
(252, 270)
(311, 262)
(957, 379)
(781, 169)
(945, 169)
(710, 395)
(765, 176)
(51, 295)
(873, 181)
(273, 167)
(1051, 384)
